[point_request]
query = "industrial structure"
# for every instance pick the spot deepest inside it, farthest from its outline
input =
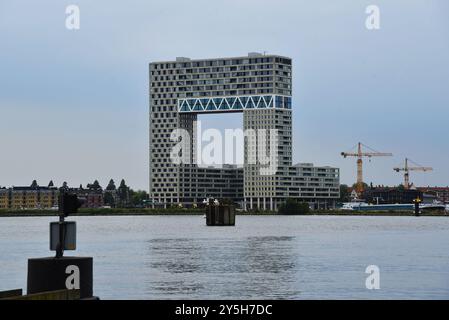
(260, 87)
(359, 154)
(406, 168)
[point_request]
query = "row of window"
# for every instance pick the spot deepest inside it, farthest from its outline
(243, 70)
(220, 62)
(170, 80)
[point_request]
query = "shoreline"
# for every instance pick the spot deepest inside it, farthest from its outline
(184, 212)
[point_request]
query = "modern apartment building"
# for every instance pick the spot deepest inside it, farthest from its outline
(260, 87)
(318, 185)
(197, 183)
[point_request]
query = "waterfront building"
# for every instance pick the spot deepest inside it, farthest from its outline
(198, 183)
(33, 197)
(391, 195)
(48, 197)
(93, 200)
(441, 193)
(93, 195)
(38, 197)
(394, 195)
(4, 198)
(260, 87)
(319, 186)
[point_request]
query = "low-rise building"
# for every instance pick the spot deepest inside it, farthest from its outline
(198, 183)
(4, 198)
(391, 195)
(48, 198)
(34, 197)
(37, 197)
(319, 186)
(93, 198)
(441, 193)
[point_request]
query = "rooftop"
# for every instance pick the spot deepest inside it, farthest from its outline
(250, 55)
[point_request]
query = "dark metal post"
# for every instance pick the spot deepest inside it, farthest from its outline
(60, 246)
(61, 242)
(417, 201)
(49, 274)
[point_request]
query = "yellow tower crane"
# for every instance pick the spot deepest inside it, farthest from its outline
(359, 154)
(407, 169)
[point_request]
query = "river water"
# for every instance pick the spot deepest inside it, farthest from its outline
(271, 257)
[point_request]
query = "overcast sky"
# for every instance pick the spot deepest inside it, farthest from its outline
(74, 104)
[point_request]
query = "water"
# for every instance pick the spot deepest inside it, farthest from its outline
(279, 257)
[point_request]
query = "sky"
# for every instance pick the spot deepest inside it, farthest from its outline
(74, 103)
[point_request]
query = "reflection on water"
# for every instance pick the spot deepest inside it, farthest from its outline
(178, 257)
(267, 263)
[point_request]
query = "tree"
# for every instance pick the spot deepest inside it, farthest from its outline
(137, 197)
(123, 194)
(64, 186)
(293, 207)
(109, 199)
(344, 193)
(365, 186)
(110, 194)
(123, 184)
(111, 185)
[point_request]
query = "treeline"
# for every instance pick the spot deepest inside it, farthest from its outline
(123, 196)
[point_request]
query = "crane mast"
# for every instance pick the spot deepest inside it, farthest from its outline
(407, 170)
(359, 155)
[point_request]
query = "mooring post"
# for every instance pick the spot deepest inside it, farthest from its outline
(59, 272)
(60, 246)
(219, 214)
(417, 201)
